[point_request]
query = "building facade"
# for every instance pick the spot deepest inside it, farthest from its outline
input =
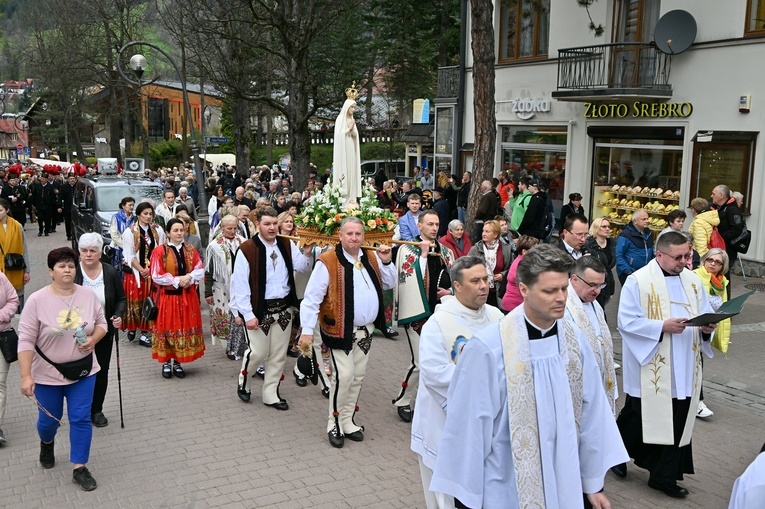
(621, 122)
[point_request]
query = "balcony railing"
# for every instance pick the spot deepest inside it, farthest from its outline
(613, 69)
(448, 82)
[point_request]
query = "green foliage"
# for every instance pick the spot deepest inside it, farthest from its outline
(165, 153)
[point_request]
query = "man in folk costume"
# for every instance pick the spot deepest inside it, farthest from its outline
(587, 280)
(423, 278)
(218, 269)
(263, 297)
(662, 363)
(453, 323)
(527, 421)
(344, 297)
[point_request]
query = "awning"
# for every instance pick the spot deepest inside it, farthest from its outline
(218, 159)
(43, 162)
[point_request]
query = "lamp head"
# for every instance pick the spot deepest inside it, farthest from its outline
(138, 64)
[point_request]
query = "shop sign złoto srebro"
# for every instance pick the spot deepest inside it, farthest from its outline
(638, 110)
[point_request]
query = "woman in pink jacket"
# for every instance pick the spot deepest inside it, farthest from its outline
(9, 303)
(512, 298)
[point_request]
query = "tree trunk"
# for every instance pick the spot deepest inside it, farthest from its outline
(186, 124)
(482, 33)
(269, 125)
(113, 114)
(297, 125)
(241, 121)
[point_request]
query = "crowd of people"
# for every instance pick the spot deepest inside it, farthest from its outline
(511, 369)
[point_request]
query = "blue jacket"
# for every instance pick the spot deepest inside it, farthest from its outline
(633, 249)
(407, 225)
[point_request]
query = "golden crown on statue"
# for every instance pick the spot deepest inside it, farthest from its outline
(352, 93)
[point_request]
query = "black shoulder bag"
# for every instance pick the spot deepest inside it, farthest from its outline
(13, 261)
(9, 345)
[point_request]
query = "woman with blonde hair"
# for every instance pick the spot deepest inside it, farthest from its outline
(704, 222)
(600, 245)
(714, 266)
(497, 257)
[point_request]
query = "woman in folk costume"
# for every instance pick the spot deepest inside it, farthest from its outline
(121, 221)
(13, 240)
(218, 269)
(176, 268)
(138, 242)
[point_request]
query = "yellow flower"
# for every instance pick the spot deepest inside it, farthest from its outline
(330, 221)
(391, 226)
(318, 218)
(371, 223)
(68, 319)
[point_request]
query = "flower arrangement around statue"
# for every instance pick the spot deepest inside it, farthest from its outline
(320, 218)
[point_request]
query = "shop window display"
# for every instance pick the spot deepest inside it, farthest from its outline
(636, 174)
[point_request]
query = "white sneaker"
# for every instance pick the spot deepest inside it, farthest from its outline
(703, 412)
(617, 366)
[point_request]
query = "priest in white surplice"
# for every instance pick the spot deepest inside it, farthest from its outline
(527, 420)
(662, 363)
(585, 284)
(443, 336)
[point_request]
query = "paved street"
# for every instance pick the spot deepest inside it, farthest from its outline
(192, 444)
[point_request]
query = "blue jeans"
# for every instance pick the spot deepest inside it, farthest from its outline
(462, 214)
(79, 397)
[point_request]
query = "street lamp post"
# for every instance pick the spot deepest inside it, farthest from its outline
(138, 64)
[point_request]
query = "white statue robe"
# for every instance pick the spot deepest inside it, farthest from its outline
(640, 337)
(346, 155)
(475, 461)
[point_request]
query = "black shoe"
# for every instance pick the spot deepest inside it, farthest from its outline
(231, 356)
(131, 335)
(405, 412)
(39, 234)
(672, 490)
(47, 456)
(243, 395)
(260, 373)
(293, 353)
(325, 392)
(46, 234)
(281, 405)
(302, 382)
(335, 438)
(356, 436)
(99, 420)
(167, 370)
(145, 341)
(178, 370)
(82, 477)
(390, 333)
(620, 470)
(2, 437)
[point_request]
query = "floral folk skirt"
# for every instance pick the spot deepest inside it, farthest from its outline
(135, 297)
(177, 331)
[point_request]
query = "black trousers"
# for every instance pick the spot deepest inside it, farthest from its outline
(666, 463)
(103, 351)
(67, 218)
(45, 220)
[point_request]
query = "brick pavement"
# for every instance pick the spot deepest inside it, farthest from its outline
(192, 444)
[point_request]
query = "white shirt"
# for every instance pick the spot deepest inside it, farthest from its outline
(574, 254)
(749, 489)
(640, 337)
(197, 273)
(277, 277)
(97, 285)
(128, 243)
(365, 301)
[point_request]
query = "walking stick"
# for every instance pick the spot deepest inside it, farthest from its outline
(119, 377)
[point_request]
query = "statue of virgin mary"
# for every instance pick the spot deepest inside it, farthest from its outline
(346, 154)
